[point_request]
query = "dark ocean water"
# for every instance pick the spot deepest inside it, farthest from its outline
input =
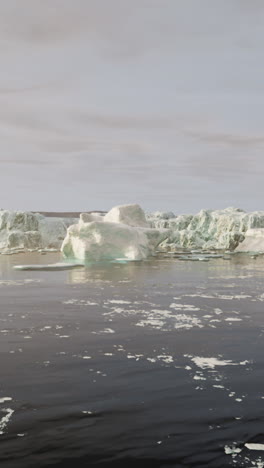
(149, 364)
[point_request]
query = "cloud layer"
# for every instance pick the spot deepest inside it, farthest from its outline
(154, 101)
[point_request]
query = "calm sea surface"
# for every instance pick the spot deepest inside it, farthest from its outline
(149, 364)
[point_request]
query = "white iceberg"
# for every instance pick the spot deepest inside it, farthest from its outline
(128, 237)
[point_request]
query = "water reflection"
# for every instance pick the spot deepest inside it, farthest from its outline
(115, 272)
(158, 268)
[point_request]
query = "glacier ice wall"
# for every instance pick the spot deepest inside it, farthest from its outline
(230, 228)
(209, 229)
(30, 231)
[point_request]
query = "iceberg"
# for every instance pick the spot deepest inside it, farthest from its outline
(123, 233)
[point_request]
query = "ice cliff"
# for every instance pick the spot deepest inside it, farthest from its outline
(21, 231)
(122, 233)
(125, 231)
(209, 229)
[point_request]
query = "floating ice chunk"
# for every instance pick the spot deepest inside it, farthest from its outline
(49, 267)
(154, 323)
(2, 400)
(184, 307)
(229, 450)
(187, 321)
(233, 319)
(211, 363)
(5, 419)
(218, 311)
(165, 358)
(194, 258)
(105, 330)
(255, 446)
(188, 258)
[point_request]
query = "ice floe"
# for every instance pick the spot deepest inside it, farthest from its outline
(230, 449)
(8, 412)
(254, 446)
(104, 331)
(49, 267)
(212, 362)
(4, 399)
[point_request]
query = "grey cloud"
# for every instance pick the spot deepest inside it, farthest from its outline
(125, 29)
(39, 22)
(57, 20)
(227, 167)
(230, 140)
(105, 101)
(26, 162)
(125, 121)
(6, 91)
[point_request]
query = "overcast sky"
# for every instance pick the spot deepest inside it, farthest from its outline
(105, 102)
